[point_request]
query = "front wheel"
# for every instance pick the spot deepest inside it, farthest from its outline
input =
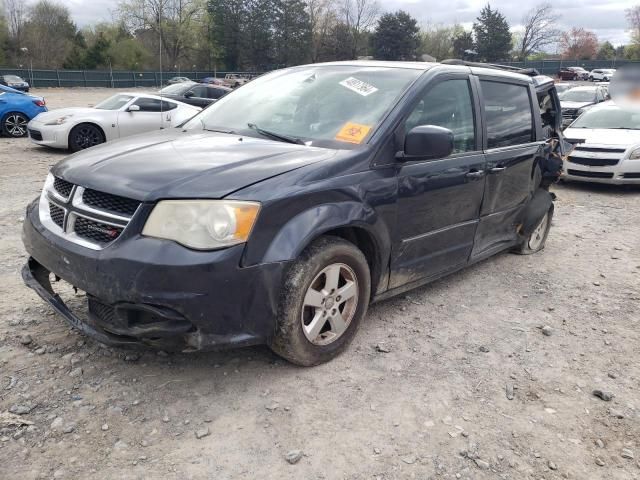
(538, 238)
(85, 136)
(14, 124)
(325, 296)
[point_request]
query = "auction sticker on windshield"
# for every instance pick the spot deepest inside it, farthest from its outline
(358, 86)
(353, 132)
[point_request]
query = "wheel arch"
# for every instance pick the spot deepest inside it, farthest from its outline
(87, 122)
(351, 221)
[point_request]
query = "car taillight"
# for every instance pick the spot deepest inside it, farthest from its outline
(40, 103)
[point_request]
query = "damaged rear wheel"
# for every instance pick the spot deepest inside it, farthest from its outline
(325, 296)
(538, 238)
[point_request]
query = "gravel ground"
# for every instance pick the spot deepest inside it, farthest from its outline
(423, 392)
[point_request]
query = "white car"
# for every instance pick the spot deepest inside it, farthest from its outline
(608, 146)
(119, 116)
(601, 74)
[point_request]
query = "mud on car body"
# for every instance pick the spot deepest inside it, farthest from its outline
(281, 212)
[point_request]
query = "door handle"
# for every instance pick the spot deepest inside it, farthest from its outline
(497, 169)
(475, 174)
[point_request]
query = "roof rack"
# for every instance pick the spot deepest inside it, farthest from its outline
(531, 72)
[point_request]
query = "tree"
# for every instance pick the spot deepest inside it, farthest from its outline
(4, 37)
(606, 51)
(359, 16)
(579, 44)
(227, 19)
(437, 40)
(462, 44)
(322, 19)
(396, 37)
(292, 32)
(76, 59)
(492, 35)
(539, 30)
(633, 17)
(48, 34)
(177, 23)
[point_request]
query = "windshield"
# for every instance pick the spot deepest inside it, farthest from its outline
(608, 118)
(13, 78)
(578, 96)
(177, 88)
(317, 104)
(114, 103)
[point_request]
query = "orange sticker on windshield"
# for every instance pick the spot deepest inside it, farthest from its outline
(353, 132)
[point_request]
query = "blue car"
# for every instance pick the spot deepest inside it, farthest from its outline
(16, 110)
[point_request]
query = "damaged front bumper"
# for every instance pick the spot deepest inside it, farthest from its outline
(144, 291)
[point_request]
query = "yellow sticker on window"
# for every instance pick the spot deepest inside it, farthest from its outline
(353, 132)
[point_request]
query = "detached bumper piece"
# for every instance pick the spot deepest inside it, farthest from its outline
(129, 325)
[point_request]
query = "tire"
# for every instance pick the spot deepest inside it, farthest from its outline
(306, 333)
(85, 135)
(537, 240)
(14, 124)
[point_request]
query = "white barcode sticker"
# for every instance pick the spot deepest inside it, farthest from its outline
(358, 86)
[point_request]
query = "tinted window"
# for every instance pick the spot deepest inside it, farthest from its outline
(448, 105)
(200, 92)
(148, 104)
(216, 93)
(508, 114)
(168, 106)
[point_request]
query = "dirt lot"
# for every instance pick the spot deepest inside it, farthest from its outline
(422, 392)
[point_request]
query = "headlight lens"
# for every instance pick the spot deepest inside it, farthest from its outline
(202, 224)
(59, 121)
(635, 154)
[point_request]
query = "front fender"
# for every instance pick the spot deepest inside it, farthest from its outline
(308, 225)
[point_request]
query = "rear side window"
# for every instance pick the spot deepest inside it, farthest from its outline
(508, 114)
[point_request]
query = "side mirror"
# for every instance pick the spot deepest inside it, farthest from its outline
(188, 95)
(133, 108)
(427, 142)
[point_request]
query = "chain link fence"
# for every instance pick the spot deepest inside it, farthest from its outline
(105, 78)
(132, 79)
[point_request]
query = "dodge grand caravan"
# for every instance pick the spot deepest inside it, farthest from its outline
(277, 215)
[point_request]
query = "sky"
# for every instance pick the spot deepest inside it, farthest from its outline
(605, 17)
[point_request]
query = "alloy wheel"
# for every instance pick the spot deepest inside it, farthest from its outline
(86, 137)
(537, 237)
(330, 303)
(16, 125)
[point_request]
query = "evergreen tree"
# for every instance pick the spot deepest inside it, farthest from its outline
(396, 37)
(76, 59)
(492, 35)
(606, 51)
(292, 32)
(462, 43)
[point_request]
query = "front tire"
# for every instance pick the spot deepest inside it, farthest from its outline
(325, 296)
(538, 238)
(14, 124)
(85, 136)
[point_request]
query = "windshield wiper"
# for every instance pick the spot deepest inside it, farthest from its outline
(274, 135)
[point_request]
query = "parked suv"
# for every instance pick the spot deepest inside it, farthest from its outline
(602, 74)
(278, 214)
(573, 73)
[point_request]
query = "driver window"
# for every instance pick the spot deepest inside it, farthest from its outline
(449, 105)
(148, 105)
(200, 92)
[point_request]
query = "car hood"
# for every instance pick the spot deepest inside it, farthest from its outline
(604, 136)
(575, 104)
(61, 112)
(178, 164)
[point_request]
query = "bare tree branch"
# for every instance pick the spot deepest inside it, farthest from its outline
(539, 30)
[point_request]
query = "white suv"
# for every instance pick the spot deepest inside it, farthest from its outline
(601, 74)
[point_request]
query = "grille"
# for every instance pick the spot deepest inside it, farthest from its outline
(62, 187)
(569, 113)
(632, 175)
(57, 214)
(110, 203)
(97, 232)
(600, 150)
(594, 162)
(105, 313)
(580, 173)
(35, 134)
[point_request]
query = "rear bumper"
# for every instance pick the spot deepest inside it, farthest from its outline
(627, 172)
(143, 291)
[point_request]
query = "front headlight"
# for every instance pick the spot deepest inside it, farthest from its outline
(635, 154)
(202, 224)
(59, 121)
